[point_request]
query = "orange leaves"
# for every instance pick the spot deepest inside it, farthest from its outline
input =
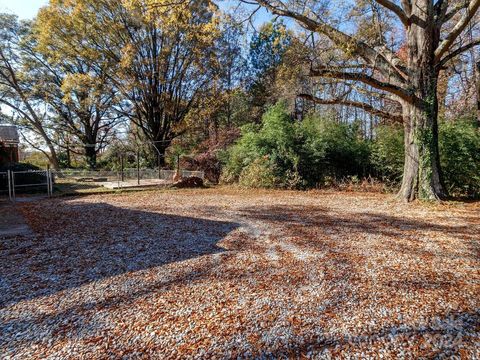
(299, 275)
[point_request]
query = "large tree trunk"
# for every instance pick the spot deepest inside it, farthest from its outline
(159, 149)
(91, 156)
(422, 178)
(422, 173)
(53, 158)
(477, 90)
(89, 140)
(69, 157)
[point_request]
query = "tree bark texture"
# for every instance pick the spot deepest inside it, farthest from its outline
(422, 177)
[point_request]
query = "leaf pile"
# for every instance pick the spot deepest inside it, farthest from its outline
(221, 273)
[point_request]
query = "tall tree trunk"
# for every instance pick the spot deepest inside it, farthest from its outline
(69, 157)
(52, 157)
(422, 177)
(159, 149)
(477, 90)
(91, 156)
(422, 173)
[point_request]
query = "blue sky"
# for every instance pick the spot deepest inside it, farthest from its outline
(25, 9)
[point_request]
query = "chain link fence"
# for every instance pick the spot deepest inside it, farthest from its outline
(5, 189)
(86, 181)
(62, 182)
(29, 183)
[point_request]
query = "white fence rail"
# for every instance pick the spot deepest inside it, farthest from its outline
(31, 180)
(37, 181)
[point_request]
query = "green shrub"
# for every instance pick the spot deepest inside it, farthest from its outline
(273, 140)
(459, 143)
(19, 167)
(300, 154)
(460, 157)
(331, 150)
(320, 152)
(259, 174)
(388, 154)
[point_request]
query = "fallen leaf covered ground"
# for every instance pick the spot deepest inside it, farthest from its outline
(224, 273)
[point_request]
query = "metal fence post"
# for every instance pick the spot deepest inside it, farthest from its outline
(122, 166)
(51, 182)
(49, 179)
(13, 186)
(9, 174)
(49, 193)
(138, 167)
(48, 182)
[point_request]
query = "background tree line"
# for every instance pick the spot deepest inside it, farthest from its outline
(382, 89)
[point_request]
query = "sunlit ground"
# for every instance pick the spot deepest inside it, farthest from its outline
(223, 273)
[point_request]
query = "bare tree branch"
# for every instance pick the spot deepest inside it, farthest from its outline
(407, 6)
(349, 44)
(450, 14)
(366, 79)
(360, 105)
(457, 52)
(397, 10)
(36, 147)
(457, 29)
